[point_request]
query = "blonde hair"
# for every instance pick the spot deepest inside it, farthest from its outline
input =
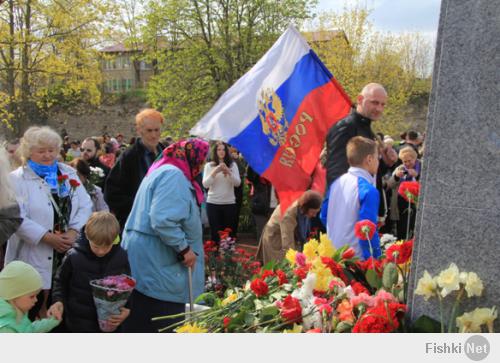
(7, 195)
(102, 228)
(407, 150)
(37, 136)
(358, 148)
(149, 114)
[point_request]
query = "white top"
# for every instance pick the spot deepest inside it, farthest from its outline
(221, 187)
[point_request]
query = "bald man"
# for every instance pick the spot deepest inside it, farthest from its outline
(370, 107)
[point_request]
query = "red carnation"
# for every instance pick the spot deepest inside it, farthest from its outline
(226, 321)
(365, 229)
(291, 310)
(400, 253)
(410, 191)
(383, 318)
(61, 178)
(348, 254)
(267, 273)
(259, 287)
(358, 288)
(74, 183)
(301, 273)
(281, 277)
(335, 268)
(370, 263)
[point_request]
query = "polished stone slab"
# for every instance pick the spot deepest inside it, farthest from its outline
(459, 211)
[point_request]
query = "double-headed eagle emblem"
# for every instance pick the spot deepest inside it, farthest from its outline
(272, 117)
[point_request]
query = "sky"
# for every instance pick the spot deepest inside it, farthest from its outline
(396, 15)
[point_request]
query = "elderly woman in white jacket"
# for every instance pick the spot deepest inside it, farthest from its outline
(38, 191)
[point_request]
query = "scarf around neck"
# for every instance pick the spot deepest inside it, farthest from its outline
(46, 172)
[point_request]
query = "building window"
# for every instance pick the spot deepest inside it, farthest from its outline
(126, 84)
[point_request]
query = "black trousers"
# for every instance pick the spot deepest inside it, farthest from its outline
(220, 217)
(143, 308)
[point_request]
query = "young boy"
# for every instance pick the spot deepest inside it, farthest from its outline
(354, 197)
(95, 256)
(20, 284)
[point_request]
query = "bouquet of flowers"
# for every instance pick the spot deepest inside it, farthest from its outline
(227, 266)
(110, 294)
(320, 289)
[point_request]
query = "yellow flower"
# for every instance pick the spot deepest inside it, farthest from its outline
(311, 249)
(296, 329)
(485, 316)
(325, 248)
(188, 328)
(466, 324)
(229, 299)
(290, 256)
(449, 280)
(323, 275)
(426, 286)
(473, 285)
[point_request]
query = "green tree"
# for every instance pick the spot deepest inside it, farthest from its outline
(48, 54)
(401, 63)
(201, 47)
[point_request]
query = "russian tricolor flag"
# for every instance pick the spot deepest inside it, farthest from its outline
(278, 114)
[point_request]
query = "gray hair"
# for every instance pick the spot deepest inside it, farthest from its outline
(38, 136)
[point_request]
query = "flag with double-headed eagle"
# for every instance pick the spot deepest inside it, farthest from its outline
(278, 114)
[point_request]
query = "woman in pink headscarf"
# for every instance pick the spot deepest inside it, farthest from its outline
(163, 236)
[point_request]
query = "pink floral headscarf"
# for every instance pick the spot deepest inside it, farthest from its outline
(187, 155)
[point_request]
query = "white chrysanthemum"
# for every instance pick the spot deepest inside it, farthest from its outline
(449, 280)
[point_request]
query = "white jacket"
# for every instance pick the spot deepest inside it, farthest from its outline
(32, 194)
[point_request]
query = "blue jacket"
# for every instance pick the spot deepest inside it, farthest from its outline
(353, 197)
(164, 220)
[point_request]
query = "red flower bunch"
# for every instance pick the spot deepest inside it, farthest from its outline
(209, 246)
(383, 318)
(400, 253)
(225, 233)
(358, 288)
(348, 254)
(365, 229)
(226, 321)
(267, 273)
(291, 310)
(410, 191)
(336, 268)
(281, 277)
(254, 267)
(259, 287)
(74, 183)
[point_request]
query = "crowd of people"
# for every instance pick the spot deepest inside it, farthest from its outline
(73, 212)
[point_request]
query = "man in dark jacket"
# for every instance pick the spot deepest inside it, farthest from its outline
(126, 175)
(93, 257)
(370, 107)
(90, 148)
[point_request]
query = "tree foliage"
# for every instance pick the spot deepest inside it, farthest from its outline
(201, 47)
(401, 63)
(48, 54)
